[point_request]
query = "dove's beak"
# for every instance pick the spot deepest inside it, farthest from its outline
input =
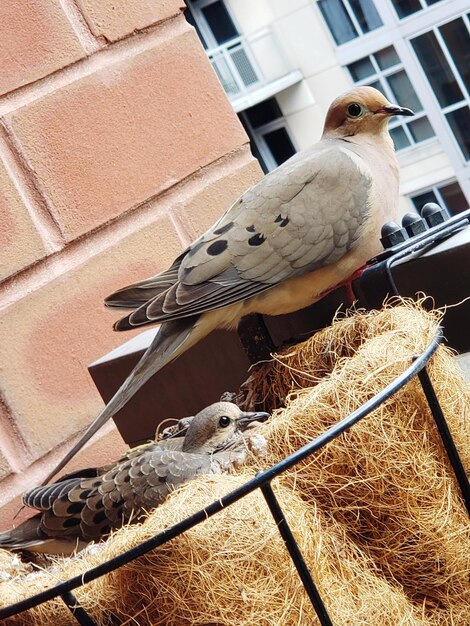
(394, 109)
(248, 419)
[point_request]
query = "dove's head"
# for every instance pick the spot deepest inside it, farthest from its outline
(217, 427)
(360, 111)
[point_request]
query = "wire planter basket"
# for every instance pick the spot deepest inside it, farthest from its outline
(262, 481)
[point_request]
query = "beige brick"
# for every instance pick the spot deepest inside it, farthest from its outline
(112, 140)
(20, 244)
(35, 40)
(105, 450)
(5, 469)
(48, 339)
(115, 19)
(8, 514)
(209, 203)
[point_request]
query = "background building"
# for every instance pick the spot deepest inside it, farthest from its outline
(281, 62)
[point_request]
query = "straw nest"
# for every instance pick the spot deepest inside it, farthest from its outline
(387, 480)
(232, 569)
(376, 513)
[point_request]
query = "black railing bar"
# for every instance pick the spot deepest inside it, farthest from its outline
(76, 609)
(296, 555)
(415, 246)
(233, 496)
(388, 271)
(428, 237)
(446, 436)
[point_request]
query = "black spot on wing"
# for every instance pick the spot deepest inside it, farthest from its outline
(74, 508)
(71, 522)
(282, 221)
(223, 229)
(217, 247)
(99, 517)
(251, 229)
(257, 239)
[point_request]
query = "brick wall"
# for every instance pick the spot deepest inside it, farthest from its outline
(117, 147)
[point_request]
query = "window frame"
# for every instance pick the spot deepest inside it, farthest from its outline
(195, 7)
(381, 76)
(352, 16)
(398, 32)
(424, 6)
(436, 190)
(256, 135)
(465, 101)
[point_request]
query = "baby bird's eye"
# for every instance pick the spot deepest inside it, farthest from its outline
(354, 110)
(224, 421)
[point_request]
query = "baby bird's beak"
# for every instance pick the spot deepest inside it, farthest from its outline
(246, 419)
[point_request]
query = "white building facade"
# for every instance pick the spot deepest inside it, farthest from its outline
(282, 62)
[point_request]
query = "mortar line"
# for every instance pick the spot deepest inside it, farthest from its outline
(24, 181)
(112, 54)
(14, 447)
(80, 26)
(109, 235)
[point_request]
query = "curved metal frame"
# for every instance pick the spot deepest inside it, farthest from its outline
(262, 481)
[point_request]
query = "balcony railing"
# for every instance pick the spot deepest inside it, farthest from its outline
(252, 63)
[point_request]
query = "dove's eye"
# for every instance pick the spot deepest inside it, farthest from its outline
(224, 421)
(354, 109)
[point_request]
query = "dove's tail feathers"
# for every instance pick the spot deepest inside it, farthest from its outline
(172, 339)
(124, 323)
(25, 535)
(29, 536)
(135, 295)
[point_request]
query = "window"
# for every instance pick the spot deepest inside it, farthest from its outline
(384, 71)
(219, 21)
(212, 20)
(348, 19)
(408, 7)
(231, 59)
(444, 55)
(267, 129)
(449, 196)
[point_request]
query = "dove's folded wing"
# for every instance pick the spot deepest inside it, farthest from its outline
(302, 216)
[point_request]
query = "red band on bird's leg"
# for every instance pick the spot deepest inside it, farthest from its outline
(347, 282)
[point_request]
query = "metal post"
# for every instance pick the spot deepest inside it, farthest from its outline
(255, 338)
(76, 609)
(296, 555)
(446, 436)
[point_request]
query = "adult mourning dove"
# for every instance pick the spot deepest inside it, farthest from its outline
(87, 504)
(297, 233)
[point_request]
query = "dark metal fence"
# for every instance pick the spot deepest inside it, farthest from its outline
(263, 481)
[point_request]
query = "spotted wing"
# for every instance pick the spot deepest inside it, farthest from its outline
(90, 507)
(300, 217)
